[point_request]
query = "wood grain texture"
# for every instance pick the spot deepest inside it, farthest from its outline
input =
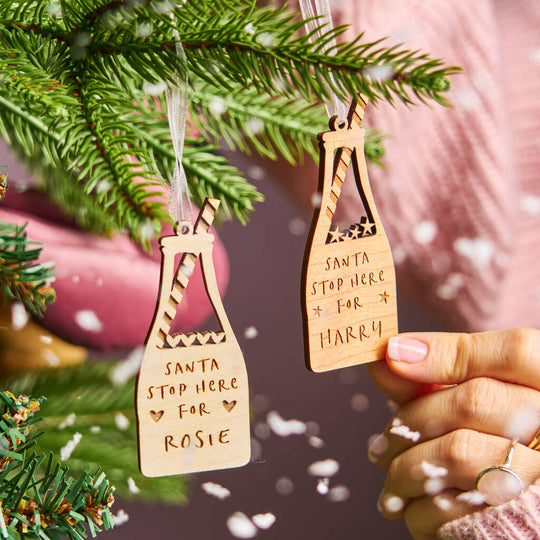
(349, 287)
(192, 393)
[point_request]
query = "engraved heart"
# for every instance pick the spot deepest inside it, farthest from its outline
(203, 337)
(173, 341)
(217, 337)
(156, 416)
(229, 405)
(188, 339)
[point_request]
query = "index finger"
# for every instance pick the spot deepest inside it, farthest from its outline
(442, 358)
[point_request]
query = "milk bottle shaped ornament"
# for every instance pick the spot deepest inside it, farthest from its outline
(192, 393)
(349, 286)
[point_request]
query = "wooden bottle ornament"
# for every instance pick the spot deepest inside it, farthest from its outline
(349, 285)
(192, 392)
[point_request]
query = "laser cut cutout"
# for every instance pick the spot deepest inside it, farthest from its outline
(349, 287)
(188, 375)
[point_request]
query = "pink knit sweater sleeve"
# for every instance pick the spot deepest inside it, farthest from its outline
(517, 520)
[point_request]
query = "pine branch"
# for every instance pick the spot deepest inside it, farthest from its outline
(21, 278)
(247, 119)
(87, 396)
(39, 498)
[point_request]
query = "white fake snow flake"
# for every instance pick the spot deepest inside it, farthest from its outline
(339, 494)
(284, 485)
(521, 422)
(144, 29)
(264, 521)
(19, 317)
(535, 56)
(393, 503)
(254, 125)
(434, 486)
(103, 186)
(266, 39)
(284, 428)
(45, 339)
(399, 253)
(312, 428)
(297, 226)
(425, 232)
(359, 403)
(531, 205)
(472, 497)
(256, 450)
(217, 106)
(451, 286)
(154, 89)
(316, 199)
(95, 430)
(432, 471)
(75, 279)
(316, 442)
(249, 29)
(382, 73)
(88, 321)
(122, 423)
(255, 172)
(120, 518)
(162, 6)
(122, 372)
(396, 422)
(146, 232)
(67, 450)
(216, 490)
(251, 332)
(69, 420)
(99, 282)
(405, 432)
(51, 358)
(54, 9)
(132, 486)
(324, 468)
(479, 251)
(444, 503)
(241, 526)
(323, 486)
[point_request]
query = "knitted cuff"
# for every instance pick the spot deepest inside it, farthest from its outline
(518, 519)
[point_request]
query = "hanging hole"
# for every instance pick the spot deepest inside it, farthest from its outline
(338, 123)
(184, 227)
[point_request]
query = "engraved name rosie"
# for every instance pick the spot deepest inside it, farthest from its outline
(337, 296)
(208, 383)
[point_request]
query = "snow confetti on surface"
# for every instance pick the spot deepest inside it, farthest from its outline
(324, 468)
(425, 232)
(241, 526)
(122, 372)
(50, 357)
(69, 420)
(471, 497)
(67, 450)
(132, 486)
(393, 504)
(121, 421)
(405, 432)
(88, 321)
(216, 490)
(251, 332)
(297, 226)
(284, 428)
(444, 503)
(120, 518)
(264, 521)
(339, 494)
(432, 471)
(323, 486)
(19, 317)
(45, 339)
(316, 442)
(284, 485)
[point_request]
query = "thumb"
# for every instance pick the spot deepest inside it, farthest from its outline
(444, 358)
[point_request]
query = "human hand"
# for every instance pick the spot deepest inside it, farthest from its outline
(447, 437)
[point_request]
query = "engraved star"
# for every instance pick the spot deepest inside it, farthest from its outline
(367, 227)
(354, 232)
(384, 297)
(317, 311)
(336, 235)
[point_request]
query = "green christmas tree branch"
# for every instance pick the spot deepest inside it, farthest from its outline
(72, 72)
(21, 278)
(85, 400)
(39, 498)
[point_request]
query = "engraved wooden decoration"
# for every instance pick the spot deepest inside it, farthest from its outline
(349, 286)
(192, 392)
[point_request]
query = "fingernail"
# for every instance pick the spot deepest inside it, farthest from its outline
(406, 350)
(377, 448)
